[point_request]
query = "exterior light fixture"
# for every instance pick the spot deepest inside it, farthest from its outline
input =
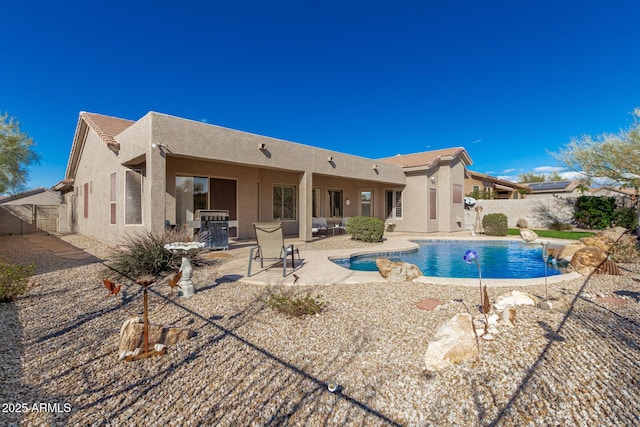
(375, 167)
(163, 147)
(262, 146)
(330, 159)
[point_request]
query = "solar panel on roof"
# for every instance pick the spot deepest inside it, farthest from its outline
(550, 185)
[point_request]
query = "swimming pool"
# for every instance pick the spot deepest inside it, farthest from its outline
(444, 258)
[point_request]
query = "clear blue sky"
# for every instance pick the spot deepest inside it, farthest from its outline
(508, 80)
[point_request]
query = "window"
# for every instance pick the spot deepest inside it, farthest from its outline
(86, 200)
(133, 197)
(284, 202)
(457, 193)
(192, 194)
(112, 197)
(335, 203)
(366, 203)
(393, 203)
(476, 189)
(432, 204)
(316, 194)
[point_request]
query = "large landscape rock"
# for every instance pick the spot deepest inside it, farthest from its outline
(602, 242)
(613, 233)
(454, 342)
(528, 235)
(586, 260)
(567, 252)
(395, 271)
(132, 329)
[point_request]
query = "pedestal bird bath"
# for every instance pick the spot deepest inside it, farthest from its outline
(185, 250)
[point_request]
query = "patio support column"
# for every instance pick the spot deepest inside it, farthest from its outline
(157, 178)
(304, 196)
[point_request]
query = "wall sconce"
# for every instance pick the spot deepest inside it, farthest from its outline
(163, 147)
(433, 179)
(330, 159)
(347, 201)
(262, 146)
(375, 167)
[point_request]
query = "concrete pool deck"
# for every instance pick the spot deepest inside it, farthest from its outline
(316, 267)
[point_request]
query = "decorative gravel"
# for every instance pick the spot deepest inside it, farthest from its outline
(251, 366)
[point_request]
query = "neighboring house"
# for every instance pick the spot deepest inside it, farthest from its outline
(489, 187)
(625, 197)
(30, 212)
(539, 190)
(126, 176)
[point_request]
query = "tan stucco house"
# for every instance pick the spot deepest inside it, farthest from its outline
(125, 176)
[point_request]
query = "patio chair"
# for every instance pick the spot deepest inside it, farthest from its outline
(318, 225)
(343, 224)
(271, 246)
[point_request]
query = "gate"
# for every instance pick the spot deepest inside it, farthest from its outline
(46, 218)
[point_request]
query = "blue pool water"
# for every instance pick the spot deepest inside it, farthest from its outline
(444, 258)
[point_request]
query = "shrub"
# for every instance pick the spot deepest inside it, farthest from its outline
(594, 212)
(365, 228)
(295, 306)
(144, 254)
(625, 217)
(13, 280)
(495, 224)
(559, 226)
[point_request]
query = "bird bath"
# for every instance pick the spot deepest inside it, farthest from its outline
(185, 250)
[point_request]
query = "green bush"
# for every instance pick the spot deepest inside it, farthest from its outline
(144, 254)
(625, 217)
(295, 306)
(559, 226)
(495, 224)
(593, 212)
(365, 228)
(13, 280)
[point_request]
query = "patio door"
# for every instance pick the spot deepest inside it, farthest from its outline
(223, 196)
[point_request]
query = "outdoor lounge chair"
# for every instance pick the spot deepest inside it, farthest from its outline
(318, 225)
(343, 224)
(271, 246)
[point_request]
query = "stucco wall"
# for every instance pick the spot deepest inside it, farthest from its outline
(97, 164)
(536, 212)
(16, 219)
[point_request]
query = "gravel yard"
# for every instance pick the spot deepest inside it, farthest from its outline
(248, 365)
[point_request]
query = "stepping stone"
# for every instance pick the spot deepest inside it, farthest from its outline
(428, 304)
(613, 300)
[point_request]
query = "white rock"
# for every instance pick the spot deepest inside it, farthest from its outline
(514, 299)
(508, 317)
(492, 318)
(528, 235)
(454, 342)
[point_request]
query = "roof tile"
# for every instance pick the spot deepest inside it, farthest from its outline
(425, 158)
